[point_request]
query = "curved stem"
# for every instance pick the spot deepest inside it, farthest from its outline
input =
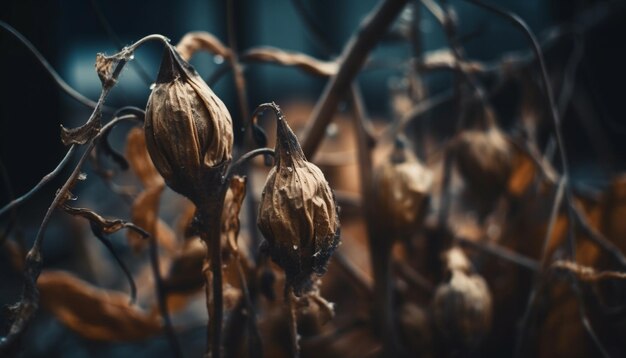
(46, 65)
(238, 166)
(46, 179)
(161, 298)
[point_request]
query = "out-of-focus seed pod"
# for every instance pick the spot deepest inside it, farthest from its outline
(484, 159)
(462, 305)
(415, 330)
(298, 214)
(188, 128)
(402, 190)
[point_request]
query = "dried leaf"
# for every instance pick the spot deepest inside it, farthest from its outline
(92, 312)
(230, 214)
(295, 59)
(145, 214)
(82, 134)
(108, 226)
(201, 40)
(523, 172)
(185, 272)
(139, 159)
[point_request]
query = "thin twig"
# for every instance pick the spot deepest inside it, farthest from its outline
(46, 179)
(46, 65)
(533, 297)
(585, 273)
(109, 246)
(520, 24)
(502, 253)
(162, 297)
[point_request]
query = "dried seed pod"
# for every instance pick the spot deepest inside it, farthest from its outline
(462, 305)
(298, 213)
(402, 187)
(484, 159)
(188, 128)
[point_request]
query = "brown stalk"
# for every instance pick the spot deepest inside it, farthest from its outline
(352, 58)
(379, 245)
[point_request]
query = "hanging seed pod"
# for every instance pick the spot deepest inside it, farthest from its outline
(298, 214)
(402, 187)
(484, 159)
(462, 305)
(188, 128)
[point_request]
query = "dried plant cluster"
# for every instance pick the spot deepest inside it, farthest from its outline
(467, 244)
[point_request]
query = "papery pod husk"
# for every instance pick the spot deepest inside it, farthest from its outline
(462, 305)
(484, 160)
(188, 128)
(402, 186)
(298, 213)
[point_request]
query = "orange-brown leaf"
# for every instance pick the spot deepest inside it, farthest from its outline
(92, 312)
(139, 159)
(201, 40)
(230, 214)
(295, 59)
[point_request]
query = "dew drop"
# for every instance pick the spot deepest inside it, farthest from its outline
(295, 247)
(82, 176)
(218, 59)
(152, 86)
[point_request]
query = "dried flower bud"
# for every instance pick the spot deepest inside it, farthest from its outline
(484, 159)
(188, 128)
(298, 213)
(462, 305)
(402, 187)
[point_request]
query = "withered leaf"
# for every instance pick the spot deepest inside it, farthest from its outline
(139, 159)
(108, 226)
(82, 134)
(230, 214)
(106, 67)
(201, 40)
(92, 312)
(145, 214)
(295, 59)
(523, 172)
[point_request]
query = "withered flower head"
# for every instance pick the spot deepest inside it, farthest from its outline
(402, 187)
(462, 305)
(298, 214)
(188, 128)
(484, 159)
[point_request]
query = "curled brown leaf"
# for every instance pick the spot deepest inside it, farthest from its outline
(288, 58)
(201, 40)
(92, 312)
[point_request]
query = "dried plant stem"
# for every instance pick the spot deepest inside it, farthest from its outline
(293, 322)
(532, 298)
(46, 65)
(161, 297)
(379, 245)
(352, 59)
(210, 209)
(109, 246)
(356, 277)
(233, 59)
(46, 179)
(502, 253)
(29, 303)
(255, 347)
(569, 197)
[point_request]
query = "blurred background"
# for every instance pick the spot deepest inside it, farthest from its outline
(69, 33)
